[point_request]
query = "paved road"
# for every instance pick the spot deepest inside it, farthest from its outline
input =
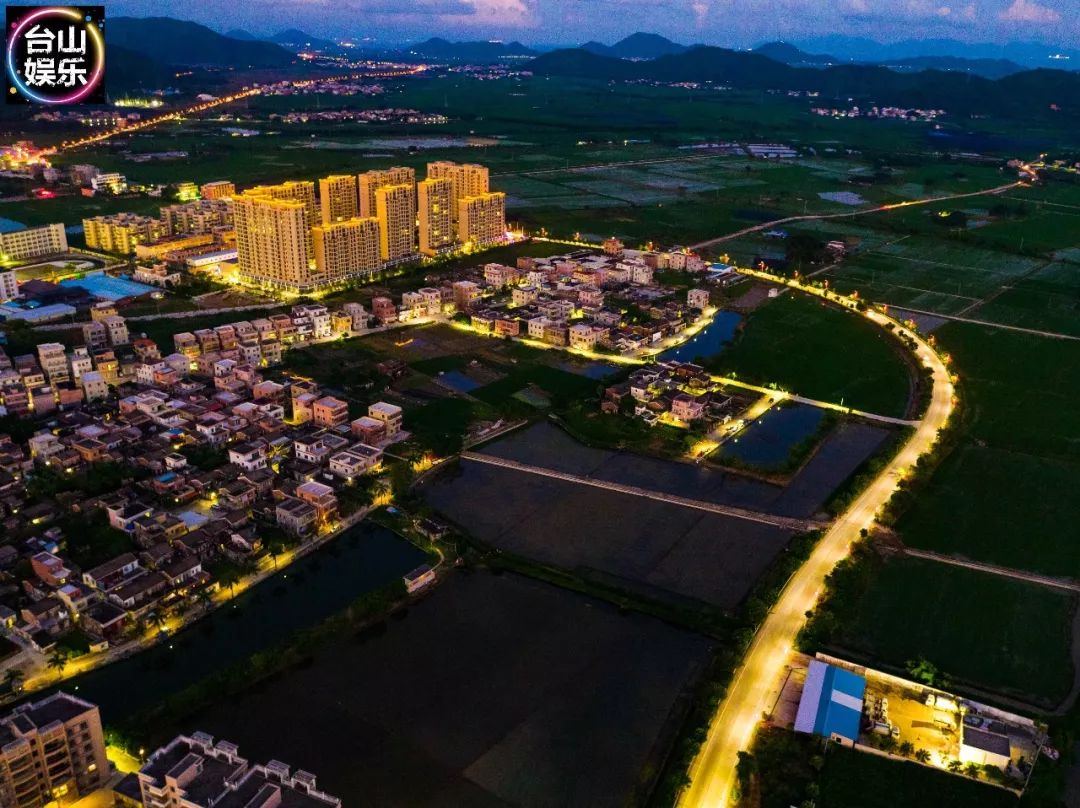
(712, 507)
(713, 772)
(848, 215)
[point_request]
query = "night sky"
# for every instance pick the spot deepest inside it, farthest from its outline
(733, 23)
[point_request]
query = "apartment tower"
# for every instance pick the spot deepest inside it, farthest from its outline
(272, 238)
(482, 219)
(371, 181)
(435, 215)
(466, 179)
(395, 206)
(337, 195)
(346, 249)
(51, 751)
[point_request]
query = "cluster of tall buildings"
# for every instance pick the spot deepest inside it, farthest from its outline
(285, 239)
(53, 752)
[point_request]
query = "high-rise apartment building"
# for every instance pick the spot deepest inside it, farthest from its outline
(346, 249)
(337, 198)
(435, 213)
(272, 237)
(51, 751)
(482, 219)
(302, 191)
(220, 189)
(395, 207)
(194, 772)
(371, 181)
(466, 179)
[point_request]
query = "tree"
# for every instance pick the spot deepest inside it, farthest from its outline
(58, 661)
(972, 770)
(907, 748)
(204, 599)
(922, 755)
(13, 678)
(955, 766)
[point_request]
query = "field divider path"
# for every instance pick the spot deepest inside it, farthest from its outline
(786, 522)
(993, 569)
(988, 323)
(1000, 189)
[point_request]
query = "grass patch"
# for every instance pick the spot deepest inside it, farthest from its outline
(821, 352)
(977, 629)
(561, 386)
(854, 779)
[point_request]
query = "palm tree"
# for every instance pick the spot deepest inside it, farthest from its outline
(204, 599)
(58, 661)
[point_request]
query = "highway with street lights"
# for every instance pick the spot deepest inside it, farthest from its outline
(712, 776)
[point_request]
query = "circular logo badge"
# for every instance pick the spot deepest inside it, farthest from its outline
(55, 54)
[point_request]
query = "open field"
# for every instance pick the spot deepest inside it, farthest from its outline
(1006, 495)
(784, 773)
(979, 630)
(930, 274)
(636, 543)
(853, 779)
(821, 352)
(838, 456)
(1048, 300)
(1007, 508)
(494, 691)
(1021, 391)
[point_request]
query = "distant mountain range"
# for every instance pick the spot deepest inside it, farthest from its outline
(442, 49)
(988, 68)
(1028, 54)
(295, 39)
(637, 46)
(1025, 92)
(178, 42)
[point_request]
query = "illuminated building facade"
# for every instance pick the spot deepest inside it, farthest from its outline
(371, 181)
(33, 242)
(466, 180)
(346, 249)
(337, 196)
(219, 189)
(272, 237)
(395, 207)
(121, 232)
(482, 219)
(51, 751)
(434, 207)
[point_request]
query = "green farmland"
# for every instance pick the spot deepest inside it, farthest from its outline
(975, 628)
(821, 352)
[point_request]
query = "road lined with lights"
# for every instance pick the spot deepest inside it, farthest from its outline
(203, 106)
(788, 523)
(1000, 189)
(712, 775)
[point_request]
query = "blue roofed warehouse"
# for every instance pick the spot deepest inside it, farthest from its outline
(831, 704)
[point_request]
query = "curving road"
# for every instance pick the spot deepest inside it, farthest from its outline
(713, 772)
